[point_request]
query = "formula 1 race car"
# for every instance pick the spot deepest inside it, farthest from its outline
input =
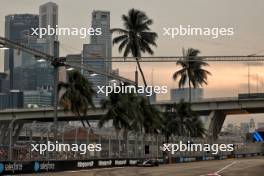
(148, 163)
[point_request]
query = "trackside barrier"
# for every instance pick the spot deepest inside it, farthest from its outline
(64, 165)
(55, 166)
(217, 157)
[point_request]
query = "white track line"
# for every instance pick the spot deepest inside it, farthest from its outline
(217, 172)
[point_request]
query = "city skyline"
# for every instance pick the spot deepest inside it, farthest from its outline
(246, 40)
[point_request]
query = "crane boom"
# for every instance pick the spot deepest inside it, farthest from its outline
(61, 61)
(18, 46)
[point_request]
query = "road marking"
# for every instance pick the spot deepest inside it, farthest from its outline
(234, 162)
(217, 172)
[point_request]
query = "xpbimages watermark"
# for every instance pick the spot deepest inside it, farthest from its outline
(121, 88)
(82, 32)
(191, 147)
(60, 147)
(188, 30)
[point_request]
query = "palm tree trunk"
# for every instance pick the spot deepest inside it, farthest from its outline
(141, 72)
(125, 137)
(190, 91)
(167, 138)
(89, 125)
(118, 142)
(80, 117)
(143, 77)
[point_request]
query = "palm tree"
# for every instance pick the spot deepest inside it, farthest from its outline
(182, 121)
(130, 112)
(196, 127)
(152, 117)
(171, 125)
(136, 37)
(120, 110)
(190, 124)
(77, 95)
(191, 71)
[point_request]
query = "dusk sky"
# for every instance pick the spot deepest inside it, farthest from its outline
(228, 79)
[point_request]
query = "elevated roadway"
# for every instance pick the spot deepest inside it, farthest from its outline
(215, 108)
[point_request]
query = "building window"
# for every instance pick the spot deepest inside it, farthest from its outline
(103, 16)
(43, 9)
(54, 20)
(54, 9)
(44, 20)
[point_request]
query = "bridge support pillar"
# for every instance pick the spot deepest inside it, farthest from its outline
(215, 122)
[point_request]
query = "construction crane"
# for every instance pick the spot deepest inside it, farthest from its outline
(231, 58)
(57, 62)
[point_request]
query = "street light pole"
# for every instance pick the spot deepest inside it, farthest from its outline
(10, 150)
(248, 78)
(57, 63)
(257, 83)
(56, 78)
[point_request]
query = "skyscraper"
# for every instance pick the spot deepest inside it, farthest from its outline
(12, 99)
(17, 28)
(3, 86)
(39, 76)
(101, 19)
(48, 16)
(94, 55)
(25, 59)
(98, 51)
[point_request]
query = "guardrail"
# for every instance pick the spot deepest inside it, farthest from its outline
(72, 165)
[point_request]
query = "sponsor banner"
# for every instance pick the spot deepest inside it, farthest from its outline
(64, 165)
(44, 166)
(14, 167)
(206, 158)
(120, 162)
(85, 164)
(133, 162)
(189, 159)
(239, 156)
(183, 159)
(200, 158)
(223, 157)
(105, 163)
(161, 161)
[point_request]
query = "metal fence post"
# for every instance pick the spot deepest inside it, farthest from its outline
(109, 146)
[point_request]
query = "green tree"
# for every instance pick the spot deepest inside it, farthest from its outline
(136, 37)
(182, 121)
(120, 109)
(131, 112)
(152, 117)
(77, 95)
(191, 70)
